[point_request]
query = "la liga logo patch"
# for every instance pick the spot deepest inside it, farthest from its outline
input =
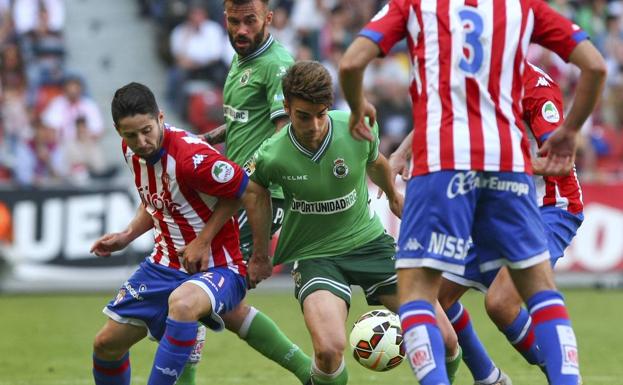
(550, 112)
(222, 172)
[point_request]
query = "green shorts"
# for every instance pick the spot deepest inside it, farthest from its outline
(246, 238)
(370, 266)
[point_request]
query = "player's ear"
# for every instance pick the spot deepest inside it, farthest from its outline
(269, 18)
(161, 118)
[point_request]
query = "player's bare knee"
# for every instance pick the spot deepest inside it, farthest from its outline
(104, 346)
(329, 355)
(181, 308)
(235, 318)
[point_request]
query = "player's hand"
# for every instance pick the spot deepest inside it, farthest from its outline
(195, 256)
(260, 268)
(398, 164)
(357, 124)
(396, 204)
(559, 150)
(109, 243)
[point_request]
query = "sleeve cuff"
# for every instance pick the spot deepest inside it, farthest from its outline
(243, 185)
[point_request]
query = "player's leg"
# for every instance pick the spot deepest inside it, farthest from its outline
(475, 356)
(189, 374)
(325, 315)
(262, 334)
(511, 215)
(417, 291)
(192, 301)
(111, 357)
(439, 207)
(503, 305)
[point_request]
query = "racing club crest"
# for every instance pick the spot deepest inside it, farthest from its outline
(340, 169)
(246, 75)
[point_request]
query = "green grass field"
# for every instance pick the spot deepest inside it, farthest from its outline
(46, 340)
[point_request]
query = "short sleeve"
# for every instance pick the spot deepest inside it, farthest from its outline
(209, 172)
(543, 107)
(274, 91)
(373, 154)
(256, 168)
(388, 26)
(555, 32)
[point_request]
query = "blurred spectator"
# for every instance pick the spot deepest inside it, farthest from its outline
(40, 158)
(6, 22)
(83, 156)
(13, 106)
(197, 46)
(282, 30)
(64, 110)
(26, 15)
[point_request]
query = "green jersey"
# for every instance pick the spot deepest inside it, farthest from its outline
(326, 192)
(252, 98)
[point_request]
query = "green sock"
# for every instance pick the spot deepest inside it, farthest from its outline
(452, 365)
(188, 375)
(263, 335)
(339, 377)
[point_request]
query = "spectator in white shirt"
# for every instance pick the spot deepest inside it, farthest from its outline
(64, 110)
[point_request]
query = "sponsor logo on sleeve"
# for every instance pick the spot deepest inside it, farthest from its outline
(222, 172)
(197, 159)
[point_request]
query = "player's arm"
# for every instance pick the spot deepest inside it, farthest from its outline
(256, 201)
(216, 135)
(399, 159)
(108, 243)
(381, 174)
(223, 212)
(352, 66)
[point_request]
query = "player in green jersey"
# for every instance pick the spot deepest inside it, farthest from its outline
(330, 233)
(253, 108)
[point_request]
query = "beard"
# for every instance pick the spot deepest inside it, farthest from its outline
(254, 42)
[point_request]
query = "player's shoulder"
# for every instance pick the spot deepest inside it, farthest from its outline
(274, 143)
(183, 144)
(538, 82)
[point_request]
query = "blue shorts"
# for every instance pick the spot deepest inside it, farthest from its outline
(560, 228)
(143, 300)
(497, 209)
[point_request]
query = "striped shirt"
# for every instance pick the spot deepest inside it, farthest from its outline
(542, 112)
(467, 60)
(179, 188)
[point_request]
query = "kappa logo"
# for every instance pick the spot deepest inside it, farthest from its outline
(197, 159)
(222, 172)
(550, 112)
(413, 245)
(542, 82)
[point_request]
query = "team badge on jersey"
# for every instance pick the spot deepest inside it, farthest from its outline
(340, 169)
(246, 75)
(120, 296)
(550, 112)
(222, 172)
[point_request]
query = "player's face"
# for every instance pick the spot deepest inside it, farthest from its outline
(142, 133)
(247, 25)
(310, 121)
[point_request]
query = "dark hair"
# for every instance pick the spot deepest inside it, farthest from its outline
(310, 81)
(242, 2)
(133, 99)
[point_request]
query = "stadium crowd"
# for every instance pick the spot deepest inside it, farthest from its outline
(47, 119)
(49, 127)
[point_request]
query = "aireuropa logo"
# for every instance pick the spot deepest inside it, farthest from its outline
(462, 183)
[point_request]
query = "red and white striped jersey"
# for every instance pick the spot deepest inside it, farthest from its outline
(542, 112)
(179, 187)
(467, 59)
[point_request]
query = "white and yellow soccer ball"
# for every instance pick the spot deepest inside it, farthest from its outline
(376, 340)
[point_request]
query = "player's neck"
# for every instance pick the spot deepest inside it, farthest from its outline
(312, 144)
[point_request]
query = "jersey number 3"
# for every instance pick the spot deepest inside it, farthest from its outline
(473, 51)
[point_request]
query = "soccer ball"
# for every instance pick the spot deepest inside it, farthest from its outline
(376, 340)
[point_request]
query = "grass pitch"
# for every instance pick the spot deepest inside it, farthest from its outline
(46, 340)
